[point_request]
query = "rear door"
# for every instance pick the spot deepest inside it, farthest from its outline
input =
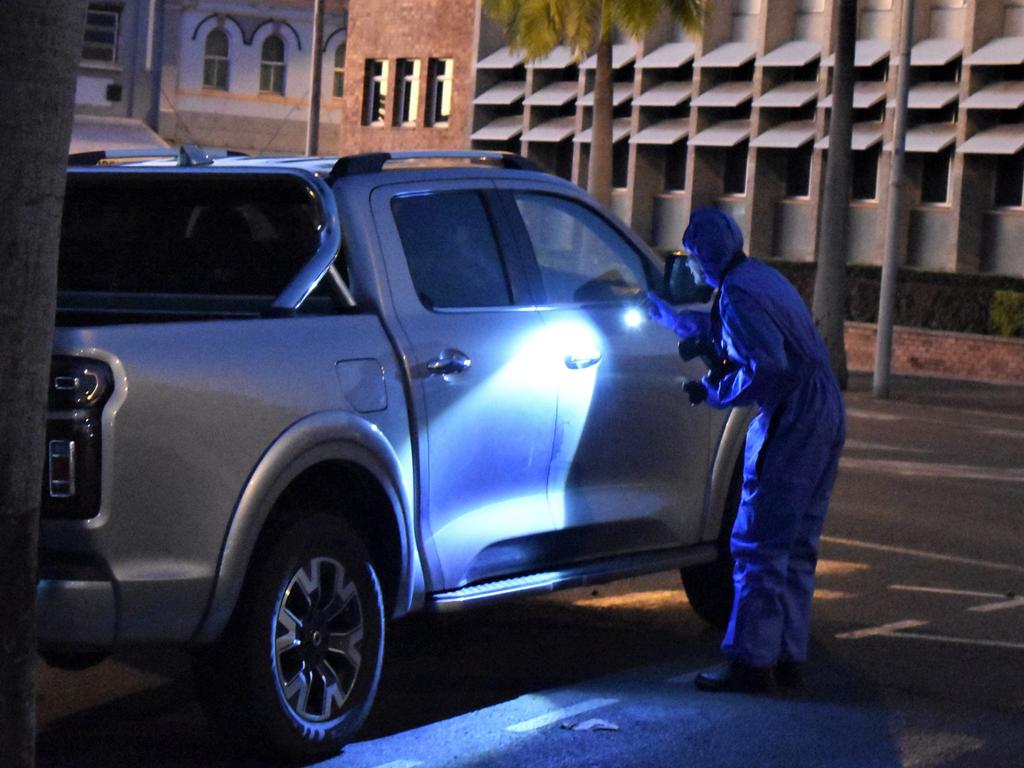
(630, 463)
(483, 405)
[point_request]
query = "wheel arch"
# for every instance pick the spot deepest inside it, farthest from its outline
(729, 450)
(314, 465)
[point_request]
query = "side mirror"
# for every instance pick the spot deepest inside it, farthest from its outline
(679, 286)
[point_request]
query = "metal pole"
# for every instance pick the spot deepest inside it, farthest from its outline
(891, 259)
(155, 61)
(315, 65)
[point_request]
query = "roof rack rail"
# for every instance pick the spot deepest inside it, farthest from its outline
(374, 162)
(186, 155)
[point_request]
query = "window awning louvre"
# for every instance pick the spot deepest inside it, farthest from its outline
(552, 131)
(622, 54)
(560, 57)
(930, 139)
(620, 130)
(665, 95)
(793, 95)
(1005, 95)
(734, 54)
(621, 93)
(725, 95)
(795, 53)
(865, 136)
(935, 52)
(502, 94)
(665, 133)
(931, 95)
(668, 56)
(554, 95)
(1001, 140)
(865, 95)
(503, 58)
(725, 134)
(867, 53)
(502, 129)
(790, 135)
(1003, 51)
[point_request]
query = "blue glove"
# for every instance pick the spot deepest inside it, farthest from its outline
(682, 324)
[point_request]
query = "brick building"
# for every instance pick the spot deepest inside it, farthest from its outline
(738, 118)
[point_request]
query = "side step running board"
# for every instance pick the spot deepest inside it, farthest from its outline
(596, 572)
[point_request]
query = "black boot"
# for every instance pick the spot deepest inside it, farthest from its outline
(736, 677)
(789, 674)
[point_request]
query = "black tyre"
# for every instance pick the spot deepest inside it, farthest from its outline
(298, 668)
(709, 587)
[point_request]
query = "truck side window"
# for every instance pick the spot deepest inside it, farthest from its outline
(581, 257)
(451, 248)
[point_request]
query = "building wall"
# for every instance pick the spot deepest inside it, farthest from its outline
(971, 230)
(118, 88)
(409, 29)
(241, 117)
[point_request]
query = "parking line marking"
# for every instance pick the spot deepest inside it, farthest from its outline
(884, 630)
(1016, 602)
(551, 717)
(924, 554)
(960, 640)
(401, 764)
(924, 469)
(941, 591)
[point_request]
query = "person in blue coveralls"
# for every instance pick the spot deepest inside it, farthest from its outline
(772, 357)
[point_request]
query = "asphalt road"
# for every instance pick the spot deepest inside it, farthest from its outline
(917, 657)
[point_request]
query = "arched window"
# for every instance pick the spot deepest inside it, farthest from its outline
(339, 71)
(272, 66)
(215, 61)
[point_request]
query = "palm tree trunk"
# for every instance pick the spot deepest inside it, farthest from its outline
(39, 48)
(599, 169)
(829, 304)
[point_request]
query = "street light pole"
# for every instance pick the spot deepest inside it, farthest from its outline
(315, 66)
(891, 259)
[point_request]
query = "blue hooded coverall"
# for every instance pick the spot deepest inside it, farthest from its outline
(793, 443)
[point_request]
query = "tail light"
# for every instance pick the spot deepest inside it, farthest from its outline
(79, 388)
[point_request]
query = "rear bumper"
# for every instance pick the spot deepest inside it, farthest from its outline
(76, 614)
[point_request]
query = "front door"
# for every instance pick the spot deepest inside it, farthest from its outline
(630, 463)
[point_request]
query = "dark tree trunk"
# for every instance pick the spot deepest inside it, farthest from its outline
(830, 280)
(599, 169)
(39, 48)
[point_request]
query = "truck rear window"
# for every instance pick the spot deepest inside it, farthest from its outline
(185, 233)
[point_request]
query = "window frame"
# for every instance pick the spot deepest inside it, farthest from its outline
(928, 157)
(874, 150)
(277, 70)
(440, 88)
(407, 93)
(338, 72)
(375, 92)
(1018, 163)
(102, 9)
(527, 258)
(222, 63)
(521, 291)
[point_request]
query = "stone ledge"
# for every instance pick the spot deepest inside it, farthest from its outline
(943, 354)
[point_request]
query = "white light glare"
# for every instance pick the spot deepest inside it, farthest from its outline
(633, 318)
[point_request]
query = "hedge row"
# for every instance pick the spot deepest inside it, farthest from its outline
(945, 301)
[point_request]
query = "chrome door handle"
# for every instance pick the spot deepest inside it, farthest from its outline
(577, 362)
(449, 362)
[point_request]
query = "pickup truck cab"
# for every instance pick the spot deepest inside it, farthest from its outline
(294, 399)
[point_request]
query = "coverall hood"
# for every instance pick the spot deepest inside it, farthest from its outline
(715, 240)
